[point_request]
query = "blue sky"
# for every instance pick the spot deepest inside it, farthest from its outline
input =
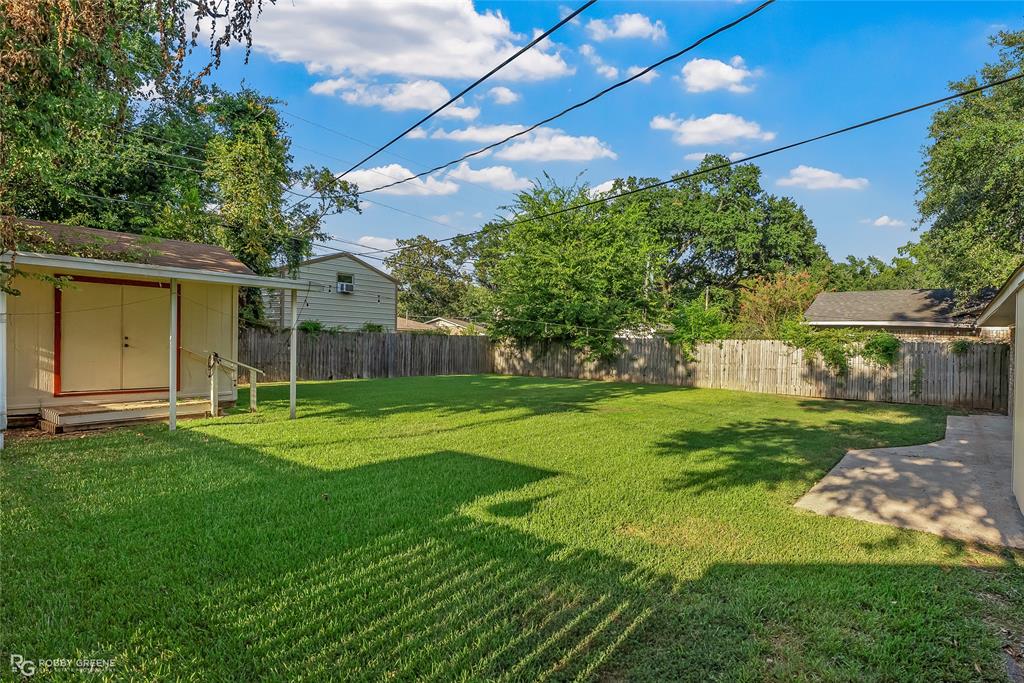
(368, 70)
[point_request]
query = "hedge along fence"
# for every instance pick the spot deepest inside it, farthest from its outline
(975, 378)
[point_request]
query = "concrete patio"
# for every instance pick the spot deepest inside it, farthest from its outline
(958, 487)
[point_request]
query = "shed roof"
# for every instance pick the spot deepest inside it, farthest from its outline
(153, 251)
(929, 307)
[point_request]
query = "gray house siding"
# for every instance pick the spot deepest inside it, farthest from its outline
(373, 301)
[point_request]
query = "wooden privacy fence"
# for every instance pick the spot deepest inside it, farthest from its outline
(364, 354)
(925, 372)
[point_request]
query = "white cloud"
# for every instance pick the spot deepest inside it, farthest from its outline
(646, 78)
(813, 178)
(407, 38)
(625, 26)
(885, 221)
(712, 129)
(601, 188)
(590, 54)
(370, 178)
(424, 95)
(481, 134)
(380, 243)
(699, 156)
(503, 95)
(552, 144)
(416, 133)
(564, 11)
(498, 177)
(705, 75)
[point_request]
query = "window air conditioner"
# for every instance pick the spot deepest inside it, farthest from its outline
(345, 288)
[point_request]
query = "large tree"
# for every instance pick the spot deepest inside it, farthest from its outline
(721, 228)
(972, 180)
(579, 277)
(433, 279)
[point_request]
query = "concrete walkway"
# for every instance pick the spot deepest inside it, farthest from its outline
(958, 487)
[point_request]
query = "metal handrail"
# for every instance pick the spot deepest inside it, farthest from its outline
(212, 360)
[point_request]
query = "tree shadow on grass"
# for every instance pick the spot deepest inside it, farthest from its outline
(196, 557)
(775, 451)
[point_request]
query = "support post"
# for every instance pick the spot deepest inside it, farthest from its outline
(252, 390)
(3, 367)
(294, 351)
(172, 362)
(214, 388)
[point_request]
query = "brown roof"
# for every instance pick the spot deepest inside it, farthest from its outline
(404, 324)
(905, 306)
(154, 251)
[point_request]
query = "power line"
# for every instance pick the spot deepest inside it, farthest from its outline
(565, 20)
(718, 167)
(587, 101)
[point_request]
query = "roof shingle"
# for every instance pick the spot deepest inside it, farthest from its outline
(155, 251)
(928, 306)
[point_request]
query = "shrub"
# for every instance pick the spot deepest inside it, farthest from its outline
(960, 346)
(696, 324)
(311, 326)
(372, 327)
(836, 346)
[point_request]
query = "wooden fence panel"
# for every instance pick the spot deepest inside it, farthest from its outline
(924, 372)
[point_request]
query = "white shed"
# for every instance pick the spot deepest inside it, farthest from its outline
(340, 290)
(1007, 309)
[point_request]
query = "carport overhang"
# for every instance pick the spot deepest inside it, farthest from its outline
(72, 265)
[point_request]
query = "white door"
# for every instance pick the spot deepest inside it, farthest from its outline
(113, 337)
(146, 335)
(90, 344)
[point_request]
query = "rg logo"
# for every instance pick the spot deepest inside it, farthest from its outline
(20, 665)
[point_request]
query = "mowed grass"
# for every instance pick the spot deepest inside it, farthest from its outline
(478, 528)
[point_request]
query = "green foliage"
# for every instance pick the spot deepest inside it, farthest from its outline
(694, 323)
(372, 327)
(433, 280)
(960, 346)
(766, 301)
(971, 182)
(579, 277)
(912, 268)
(311, 326)
(837, 345)
(722, 228)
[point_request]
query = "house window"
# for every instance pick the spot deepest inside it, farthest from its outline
(345, 284)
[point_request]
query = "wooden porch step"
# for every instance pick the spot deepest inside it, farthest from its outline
(57, 419)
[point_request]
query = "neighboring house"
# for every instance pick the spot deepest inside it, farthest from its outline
(908, 313)
(340, 291)
(1007, 309)
(406, 325)
(105, 346)
(457, 326)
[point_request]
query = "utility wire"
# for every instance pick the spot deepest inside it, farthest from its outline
(718, 167)
(565, 20)
(578, 105)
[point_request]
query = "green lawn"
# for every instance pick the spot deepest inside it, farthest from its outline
(485, 527)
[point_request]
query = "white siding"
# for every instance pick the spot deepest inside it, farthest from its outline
(373, 301)
(1017, 410)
